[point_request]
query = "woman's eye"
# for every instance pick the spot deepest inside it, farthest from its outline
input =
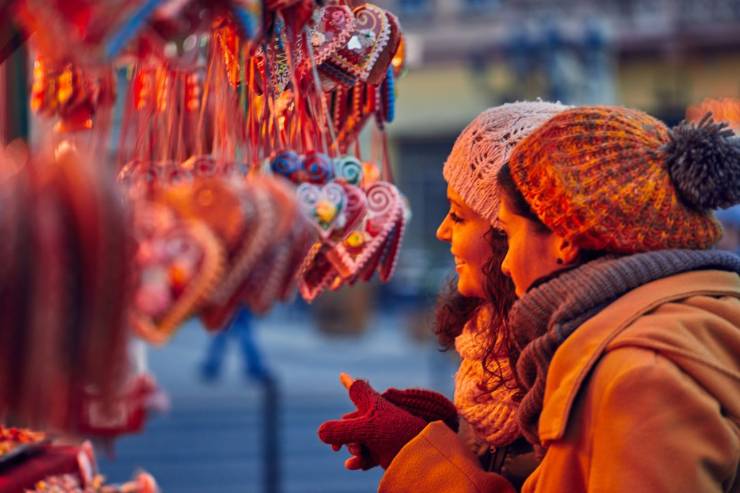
(455, 217)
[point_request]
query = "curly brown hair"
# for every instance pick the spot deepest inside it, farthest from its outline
(454, 310)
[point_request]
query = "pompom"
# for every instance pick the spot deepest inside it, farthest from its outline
(704, 163)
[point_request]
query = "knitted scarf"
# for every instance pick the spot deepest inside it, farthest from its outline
(543, 318)
(487, 405)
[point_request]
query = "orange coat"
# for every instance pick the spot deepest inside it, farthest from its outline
(643, 397)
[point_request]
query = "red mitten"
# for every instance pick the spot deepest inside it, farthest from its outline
(425, 404)
(376, 431)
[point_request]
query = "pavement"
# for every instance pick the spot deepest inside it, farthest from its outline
(216, 435)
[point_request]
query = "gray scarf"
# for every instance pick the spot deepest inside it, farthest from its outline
(543, 318)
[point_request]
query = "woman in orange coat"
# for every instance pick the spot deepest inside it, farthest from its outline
(627, 321)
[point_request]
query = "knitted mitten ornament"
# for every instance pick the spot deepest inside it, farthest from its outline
(378, 428)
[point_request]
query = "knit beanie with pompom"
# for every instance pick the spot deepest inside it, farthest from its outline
(618, 180)
(485, 145)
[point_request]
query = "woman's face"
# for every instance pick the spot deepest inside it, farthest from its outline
(533, 252)
(466, 231)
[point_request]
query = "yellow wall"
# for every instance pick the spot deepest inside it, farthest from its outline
(690, 79)
(442, 99)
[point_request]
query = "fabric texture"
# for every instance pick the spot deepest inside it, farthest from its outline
(377, 425)
(488, 406)
(661, 357)
(600, 176)
(425, 404)
(485, 145)
(548, 314)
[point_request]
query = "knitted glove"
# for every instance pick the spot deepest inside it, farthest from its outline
(425, 404)
(376, 431)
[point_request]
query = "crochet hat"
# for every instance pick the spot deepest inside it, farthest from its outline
(485, 145)
(618, 180)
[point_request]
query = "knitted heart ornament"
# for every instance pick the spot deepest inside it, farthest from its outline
(384, 260)
(390, 252)
(380, 67)
(323, 206)
(356, 59)
(333, 26)
(351, 256)
(187, 265)
(355, 210)
(264, 282)
(316, 273)
(261, 219)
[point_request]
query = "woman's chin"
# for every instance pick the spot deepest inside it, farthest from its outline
(469, 291)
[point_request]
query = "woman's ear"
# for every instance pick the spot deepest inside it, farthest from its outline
(566, 252)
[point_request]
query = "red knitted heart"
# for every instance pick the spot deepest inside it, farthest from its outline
(316, 272)
(356, 59)
(332, 30)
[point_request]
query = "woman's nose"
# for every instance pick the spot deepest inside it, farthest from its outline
(443, 231)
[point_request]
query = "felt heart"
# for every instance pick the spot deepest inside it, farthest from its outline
(380, 67)
(351, 256)
(356, 59)
(260, 222)
(393, 245)
(302, 239)
(263, 284)
(180, 261)
(323, 206)
(316, 273)
(333, 26)
(384, 260)
(354, 211)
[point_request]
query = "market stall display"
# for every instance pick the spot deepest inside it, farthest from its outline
(236, 177)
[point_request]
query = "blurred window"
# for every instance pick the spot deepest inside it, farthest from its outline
(481, 4)
(414, 7)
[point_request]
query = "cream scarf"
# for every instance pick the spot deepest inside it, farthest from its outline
(491, 413)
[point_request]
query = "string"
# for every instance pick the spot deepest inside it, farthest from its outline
(320, 93)
(3, 104)
(199, 132)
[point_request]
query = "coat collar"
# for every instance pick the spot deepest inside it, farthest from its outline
(575, 358)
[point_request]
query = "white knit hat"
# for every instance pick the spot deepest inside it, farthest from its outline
(485, 145)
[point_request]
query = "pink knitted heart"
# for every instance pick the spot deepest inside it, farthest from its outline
(384, 210)
(354, 211)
